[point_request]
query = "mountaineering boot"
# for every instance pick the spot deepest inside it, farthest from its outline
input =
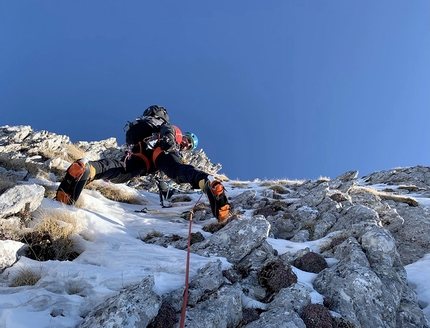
(217, 197)
(77, 175)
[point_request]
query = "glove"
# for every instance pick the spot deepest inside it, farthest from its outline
(168, 143)
(167, 138)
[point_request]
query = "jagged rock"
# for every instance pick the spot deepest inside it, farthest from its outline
(23, 141)
(14, 134)
(245, 200)
(334, 202)
(347, 176)
(344, 182)
(355, 218)
(235, 240)
(107, 148)
(282, 226)
(390, 218)
(278, 318)
(363, 296)
(8, 253)
(301, 236)
(293, 298)
(222, 309)
(13, 175)
(306, 215)
(209, 279)
(133, 307)
(175, 298)
(258, 256)
(324, 223)
(417, 175)
(379, 247)
(199, 159)
(21, 199)
(316, 195)
(412, 237)
(283, 311)
(365, 196)
(251, 288)
(266, 211)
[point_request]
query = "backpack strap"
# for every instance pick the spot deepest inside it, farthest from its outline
(138, 154)
(156, 153)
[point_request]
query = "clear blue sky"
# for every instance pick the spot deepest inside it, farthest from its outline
(273, 89)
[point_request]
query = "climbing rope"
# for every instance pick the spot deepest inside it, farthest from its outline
(187, 268)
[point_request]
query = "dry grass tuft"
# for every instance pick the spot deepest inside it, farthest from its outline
(268, 183)
(151, 235)
(59, 222)
(323, 179)
(284, 182)
(74, 153)
(399, 199)
(360, 189)
(50, 192)
(26, 277)
(116, 193)
(239, 184)
(70, 152)
(221, 177)
(387, 196)
(279, 189)
(51, 239)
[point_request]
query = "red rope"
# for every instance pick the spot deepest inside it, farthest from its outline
(187, 268)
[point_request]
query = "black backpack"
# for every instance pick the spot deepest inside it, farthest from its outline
(154, 116)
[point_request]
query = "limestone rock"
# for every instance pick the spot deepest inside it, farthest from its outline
(133, 307)
(8, 253)
(19, 199)
(235, 240)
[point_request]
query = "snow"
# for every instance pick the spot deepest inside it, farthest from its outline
(418, 274)
(114, 257)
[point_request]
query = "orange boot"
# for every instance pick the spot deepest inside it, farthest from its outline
(216, 194)
(77, 176)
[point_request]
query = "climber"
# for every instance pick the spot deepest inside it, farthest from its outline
(153, 145)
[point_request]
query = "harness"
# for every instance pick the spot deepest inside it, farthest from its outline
(156, 152)
(151, 143)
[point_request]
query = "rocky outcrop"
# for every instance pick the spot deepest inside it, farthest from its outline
(362, 237)
(133, 308)
(21, 199)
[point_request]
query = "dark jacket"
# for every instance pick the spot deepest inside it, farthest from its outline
(141, 159)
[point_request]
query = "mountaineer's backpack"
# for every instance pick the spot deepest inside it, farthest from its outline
(153, 115)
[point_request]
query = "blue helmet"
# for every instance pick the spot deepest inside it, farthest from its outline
(192, 138)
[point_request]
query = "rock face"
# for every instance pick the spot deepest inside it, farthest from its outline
(368, 234)
(20, 199)
(133, 308)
